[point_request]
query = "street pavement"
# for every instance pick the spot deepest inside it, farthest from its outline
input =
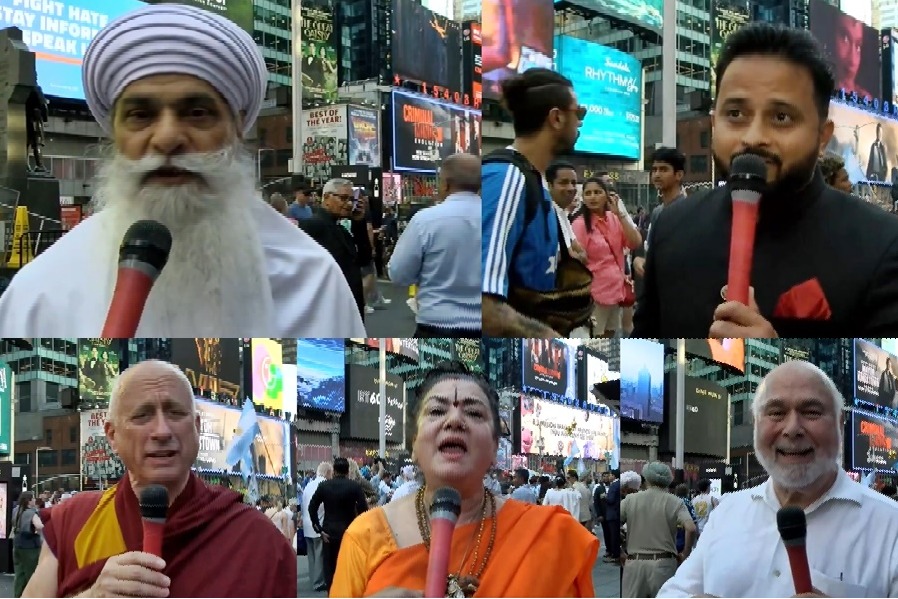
(6, 585)
(605, 579)
(395, 319)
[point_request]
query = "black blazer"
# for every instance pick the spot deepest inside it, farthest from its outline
(333, 237)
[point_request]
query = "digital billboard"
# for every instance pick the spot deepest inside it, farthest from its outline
(267, 379)
(594, 370)
(609, 84)
(549, 366)
(866, 141)
(862, 10)
(363, 136)
(98, 461)
(706, 417)
(98, 365)
(889, 51)
(324, 146)
(642, 380)
(362, 417)
(318, 58)
(729, 352)
(874, 443)
(875, 376)
(407, 347)
(320, 375)
(852, 48)
(240, 12)
(419, 32)
(645, 13)
(726, 17)
(472, 64)
(58, 33)
(517, 35)
(425, 132)
(211, 364)
(6, 408)
(548, 428)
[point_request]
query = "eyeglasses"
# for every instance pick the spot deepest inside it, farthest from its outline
(580, 111)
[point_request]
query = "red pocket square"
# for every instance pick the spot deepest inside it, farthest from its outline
(805, 301)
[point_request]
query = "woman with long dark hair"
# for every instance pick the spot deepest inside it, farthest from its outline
(605, 236)
(26, 527)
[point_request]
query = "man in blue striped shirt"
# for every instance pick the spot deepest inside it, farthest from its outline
(437, 251)
(515, 253)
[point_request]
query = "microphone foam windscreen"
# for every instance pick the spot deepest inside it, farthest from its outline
(791, 523)
(147, 240)
(154, 502)
(446, 499)
(748, 166)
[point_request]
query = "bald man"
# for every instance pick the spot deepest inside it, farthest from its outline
(93, 541)
(177, 89)
(439, 251)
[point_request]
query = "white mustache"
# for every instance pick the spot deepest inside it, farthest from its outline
(200, 164)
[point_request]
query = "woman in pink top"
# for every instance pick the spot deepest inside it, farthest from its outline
(604, 235)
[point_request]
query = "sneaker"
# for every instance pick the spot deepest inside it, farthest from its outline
(369, 310)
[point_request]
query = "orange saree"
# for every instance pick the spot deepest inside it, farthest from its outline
(540, 551)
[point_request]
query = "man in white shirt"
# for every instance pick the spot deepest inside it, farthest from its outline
(523, 491)
(566, 498)
(314, 544)
(798, 424)
(410, 483)
(704, 503)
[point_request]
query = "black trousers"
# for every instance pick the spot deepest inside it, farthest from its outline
(330, 551)
(614, 541)
(426, 331)
(606, 533)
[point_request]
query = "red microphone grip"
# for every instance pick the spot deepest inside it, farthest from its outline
(152, 536)
(130, 296)
(742, 247)
(801, 572)
(441, 530)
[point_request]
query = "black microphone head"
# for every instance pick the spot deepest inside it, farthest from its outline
(446, 503)
(748, 171)
(146, 241)
(792, 525)
(154, 502)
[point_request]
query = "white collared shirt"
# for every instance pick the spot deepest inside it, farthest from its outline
(852, 546)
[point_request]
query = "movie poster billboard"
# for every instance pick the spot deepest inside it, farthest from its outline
(874, 443)
(876, 373)
(98, 461)
(364, 136)
(852, 47)
(419, 32)
(211, 364)
(98, 365)
(218, 426)
(549, 366)
(472, 64)
(319, 54)
(548, 428)
(866, 141)
(889, 51)
(517, 35)
(325, 141)
(726, 17)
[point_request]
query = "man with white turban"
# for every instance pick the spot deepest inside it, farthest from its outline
(177, 88)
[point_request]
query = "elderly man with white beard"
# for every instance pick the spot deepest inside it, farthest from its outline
(851, 529)
(177, 89)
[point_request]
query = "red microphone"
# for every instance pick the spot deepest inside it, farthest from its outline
(142, 256)
(748, 180)
(793, 529)
(153, 508)
(444, 513)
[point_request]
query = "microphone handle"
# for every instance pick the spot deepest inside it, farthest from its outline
(153, 531)
(441, 530)
(742, 247)
(132, 287)
(801, 572)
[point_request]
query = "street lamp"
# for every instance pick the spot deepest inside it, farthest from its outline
(36, 464)
(259, 161)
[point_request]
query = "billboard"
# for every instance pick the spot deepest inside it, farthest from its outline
(362, 417)
(548, 428)
(267, 379)
(240, 12)
(321, 374)
(609, 84)
(6, 408)
(324, 145)
(549, 366)
(218, 425)
(726, 17)
(211, 364)
(852, 48)
(318, 59)
(648, 14)
(728, 352)
(866, 141)
(706, 417)
(407, 347)
(517, 35)
(98, 365)
(58, 33)
(419, 32)
(874, 443)
(889, 51)
(98, 461)
(290, 374)
(862, 10)
(472, 64)
(594, 370)
(875, 375)
(426, 131)
(642, 380)
(363, 136)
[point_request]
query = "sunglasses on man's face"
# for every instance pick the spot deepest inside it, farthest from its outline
(580, 111)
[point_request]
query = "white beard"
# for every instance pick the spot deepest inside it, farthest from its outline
(215, 280)
(795, 477)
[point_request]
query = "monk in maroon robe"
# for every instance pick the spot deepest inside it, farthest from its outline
(214, 545)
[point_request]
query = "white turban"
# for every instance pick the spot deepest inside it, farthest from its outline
(163, 39)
